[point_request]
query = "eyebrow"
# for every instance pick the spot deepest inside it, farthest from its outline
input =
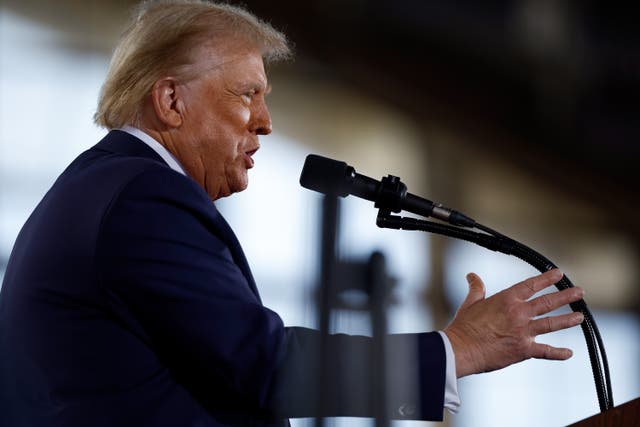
(255, 87)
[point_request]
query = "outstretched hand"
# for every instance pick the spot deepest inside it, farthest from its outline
(492, 333)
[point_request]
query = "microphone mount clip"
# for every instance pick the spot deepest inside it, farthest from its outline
(392, 192)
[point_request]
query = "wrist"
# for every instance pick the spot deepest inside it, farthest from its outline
(465, 362)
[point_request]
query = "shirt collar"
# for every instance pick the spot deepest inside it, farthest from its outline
(169, 159)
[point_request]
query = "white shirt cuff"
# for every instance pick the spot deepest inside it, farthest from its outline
(451, 397)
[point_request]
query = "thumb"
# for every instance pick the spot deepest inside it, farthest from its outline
(476, 290)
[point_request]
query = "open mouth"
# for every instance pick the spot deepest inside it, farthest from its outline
(248, 160)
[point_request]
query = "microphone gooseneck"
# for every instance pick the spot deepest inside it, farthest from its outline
(336, 178)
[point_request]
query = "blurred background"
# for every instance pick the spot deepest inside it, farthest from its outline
(521, 113)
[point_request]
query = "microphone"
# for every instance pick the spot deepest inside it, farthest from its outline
(336, 178)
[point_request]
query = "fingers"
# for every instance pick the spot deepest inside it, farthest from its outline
(491, 333)
(527, 288)
(552, 324)
(549, 302)
(545, 351)
(555, 323)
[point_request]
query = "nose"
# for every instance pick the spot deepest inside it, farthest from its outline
(261, 119)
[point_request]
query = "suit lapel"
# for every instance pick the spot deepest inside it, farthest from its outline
(237, 253)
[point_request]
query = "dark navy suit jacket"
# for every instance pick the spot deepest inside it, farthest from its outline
(127, 301)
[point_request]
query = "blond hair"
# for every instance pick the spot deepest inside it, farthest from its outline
(161, 39)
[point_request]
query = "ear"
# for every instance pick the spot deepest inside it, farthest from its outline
(164, 97)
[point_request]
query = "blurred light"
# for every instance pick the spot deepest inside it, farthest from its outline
(48, 95)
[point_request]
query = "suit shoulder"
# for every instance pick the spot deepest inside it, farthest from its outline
(108, 172)
(163, 182)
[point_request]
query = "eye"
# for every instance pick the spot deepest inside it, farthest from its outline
(248, 96)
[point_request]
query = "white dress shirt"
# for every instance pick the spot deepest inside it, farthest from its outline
(171, 161)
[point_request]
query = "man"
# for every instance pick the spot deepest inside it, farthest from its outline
(127, 300)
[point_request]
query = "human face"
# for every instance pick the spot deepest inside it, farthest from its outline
(224, 112)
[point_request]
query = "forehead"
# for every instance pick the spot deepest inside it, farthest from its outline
(233, 58)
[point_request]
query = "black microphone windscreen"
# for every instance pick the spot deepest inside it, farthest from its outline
(326, 175)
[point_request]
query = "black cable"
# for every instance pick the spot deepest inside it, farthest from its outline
(500, 243)
(589, 327)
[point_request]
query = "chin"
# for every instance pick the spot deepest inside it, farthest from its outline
(237, 186)
(241, 187)
(241, 183)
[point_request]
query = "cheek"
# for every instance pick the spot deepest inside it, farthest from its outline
(245, 116)
(231, 125)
